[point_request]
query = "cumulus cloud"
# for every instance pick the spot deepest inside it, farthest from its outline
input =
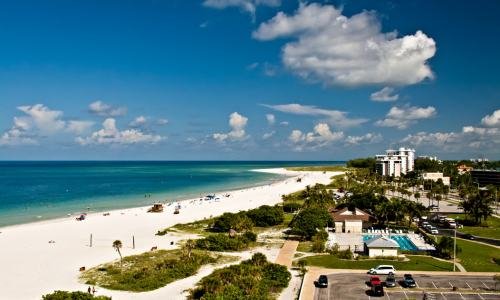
(469, 138)
(271, 119)
(384, 95)
(402, 117)
(237, 123)
(162, 122)
(320, 136)
(249, 6)
(332, 48)
(369, 138)
(79, 127)
(139, 121)
(39, 120)
(109, 134)
(492, 120)
(105, 110)
(332, 117)
(268, 135)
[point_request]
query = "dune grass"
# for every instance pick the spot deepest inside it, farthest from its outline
(150, 270)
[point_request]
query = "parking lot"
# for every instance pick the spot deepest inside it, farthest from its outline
(355, 286)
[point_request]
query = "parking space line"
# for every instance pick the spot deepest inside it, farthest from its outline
(434, 285)
(450, 284)
(417, 285)
(485, 285)
(480, 296)
(405, 294)
(461, 296)
(468, 285)
(387, 294)
(442, 295)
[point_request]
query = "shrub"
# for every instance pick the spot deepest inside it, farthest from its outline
(222, 242)
(319, 240)
(291, 207)
(64, 295)
(239, 222)
(309, 220)
(265, 216)
(251, 279)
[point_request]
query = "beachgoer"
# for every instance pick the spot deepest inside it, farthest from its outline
(89, 290)
(93, 290)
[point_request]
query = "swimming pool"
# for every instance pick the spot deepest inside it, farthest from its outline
(403, 241)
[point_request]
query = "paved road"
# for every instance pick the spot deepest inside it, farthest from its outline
(355, 286)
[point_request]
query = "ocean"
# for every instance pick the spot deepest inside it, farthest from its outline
(33, 191)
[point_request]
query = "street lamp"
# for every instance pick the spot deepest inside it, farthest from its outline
(455, 247)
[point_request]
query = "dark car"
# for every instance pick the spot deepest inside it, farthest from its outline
(322, 281)
(469, 236)
(408, 281)
(390, 281)
(377, 290)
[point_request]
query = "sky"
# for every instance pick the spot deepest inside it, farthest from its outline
(248, 79)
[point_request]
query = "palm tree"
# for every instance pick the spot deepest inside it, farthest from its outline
(118, 245)
(417, 196)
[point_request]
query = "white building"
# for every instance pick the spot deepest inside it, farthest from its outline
(396, 162)
(351, 221)
(381, 246)
(434, 176)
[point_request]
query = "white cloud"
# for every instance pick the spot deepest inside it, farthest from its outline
(252, 66)
(139, 121)
(248, 6)
(320, 136)
(79, 127)
(271, 119)
(237, 123)
(332, 117)
(268, 135)
(284, 123)
(384, 95)
(369, 138)
(109, 134)
(105, 110)
(336, 49)
(492, 120)
(18, 134)
(46, 120)
(402, 117)
(162, 122)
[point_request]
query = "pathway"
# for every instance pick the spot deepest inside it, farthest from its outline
(287, 252)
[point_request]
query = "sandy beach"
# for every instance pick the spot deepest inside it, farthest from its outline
(31, 266)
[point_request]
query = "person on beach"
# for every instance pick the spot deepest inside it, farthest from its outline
(89, 290)
(93, 290)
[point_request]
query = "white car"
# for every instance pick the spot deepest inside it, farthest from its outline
(382, 270)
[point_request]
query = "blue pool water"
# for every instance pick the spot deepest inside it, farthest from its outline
(402, 240)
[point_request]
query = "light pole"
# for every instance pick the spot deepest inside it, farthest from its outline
(455, 248)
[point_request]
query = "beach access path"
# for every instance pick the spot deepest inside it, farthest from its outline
(31, 266)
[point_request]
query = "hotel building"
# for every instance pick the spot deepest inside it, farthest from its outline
(396, 162)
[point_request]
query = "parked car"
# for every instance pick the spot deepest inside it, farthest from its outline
(408, 281)
(434, 230)
(377, 290)
(382, 270)
(390, 281)
(375, 280)
(322, 281)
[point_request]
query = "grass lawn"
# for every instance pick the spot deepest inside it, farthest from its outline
(305, 246)
(416, 263)
(150, 270)
(488, 229)
(477, 257)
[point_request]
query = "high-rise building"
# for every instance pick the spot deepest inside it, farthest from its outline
(396, 162)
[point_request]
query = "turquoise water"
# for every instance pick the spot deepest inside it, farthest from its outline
(33, 191)
(403, 241)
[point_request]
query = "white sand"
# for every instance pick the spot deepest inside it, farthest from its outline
(31, 267)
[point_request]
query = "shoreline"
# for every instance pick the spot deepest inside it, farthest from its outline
(73, 214)
(33, 267)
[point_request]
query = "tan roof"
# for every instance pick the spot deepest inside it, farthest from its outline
(347, 215)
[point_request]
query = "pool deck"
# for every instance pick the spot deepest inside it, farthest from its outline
(356, 240)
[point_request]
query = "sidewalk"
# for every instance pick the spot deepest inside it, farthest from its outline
(286, 254)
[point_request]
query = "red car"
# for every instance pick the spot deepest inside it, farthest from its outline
(375, 280)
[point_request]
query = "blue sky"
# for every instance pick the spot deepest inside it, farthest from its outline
(248, 79)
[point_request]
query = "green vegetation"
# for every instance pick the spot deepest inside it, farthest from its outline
(149, 271)
(363, 163)
(309, 220)
(488, 229)
(304, 246)
(198, 227)
(476, 257)
(266, 216)
(319, 168)
(63, 295)
(445, 246)
(255, 278)
(223, 242)
(416, 263)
